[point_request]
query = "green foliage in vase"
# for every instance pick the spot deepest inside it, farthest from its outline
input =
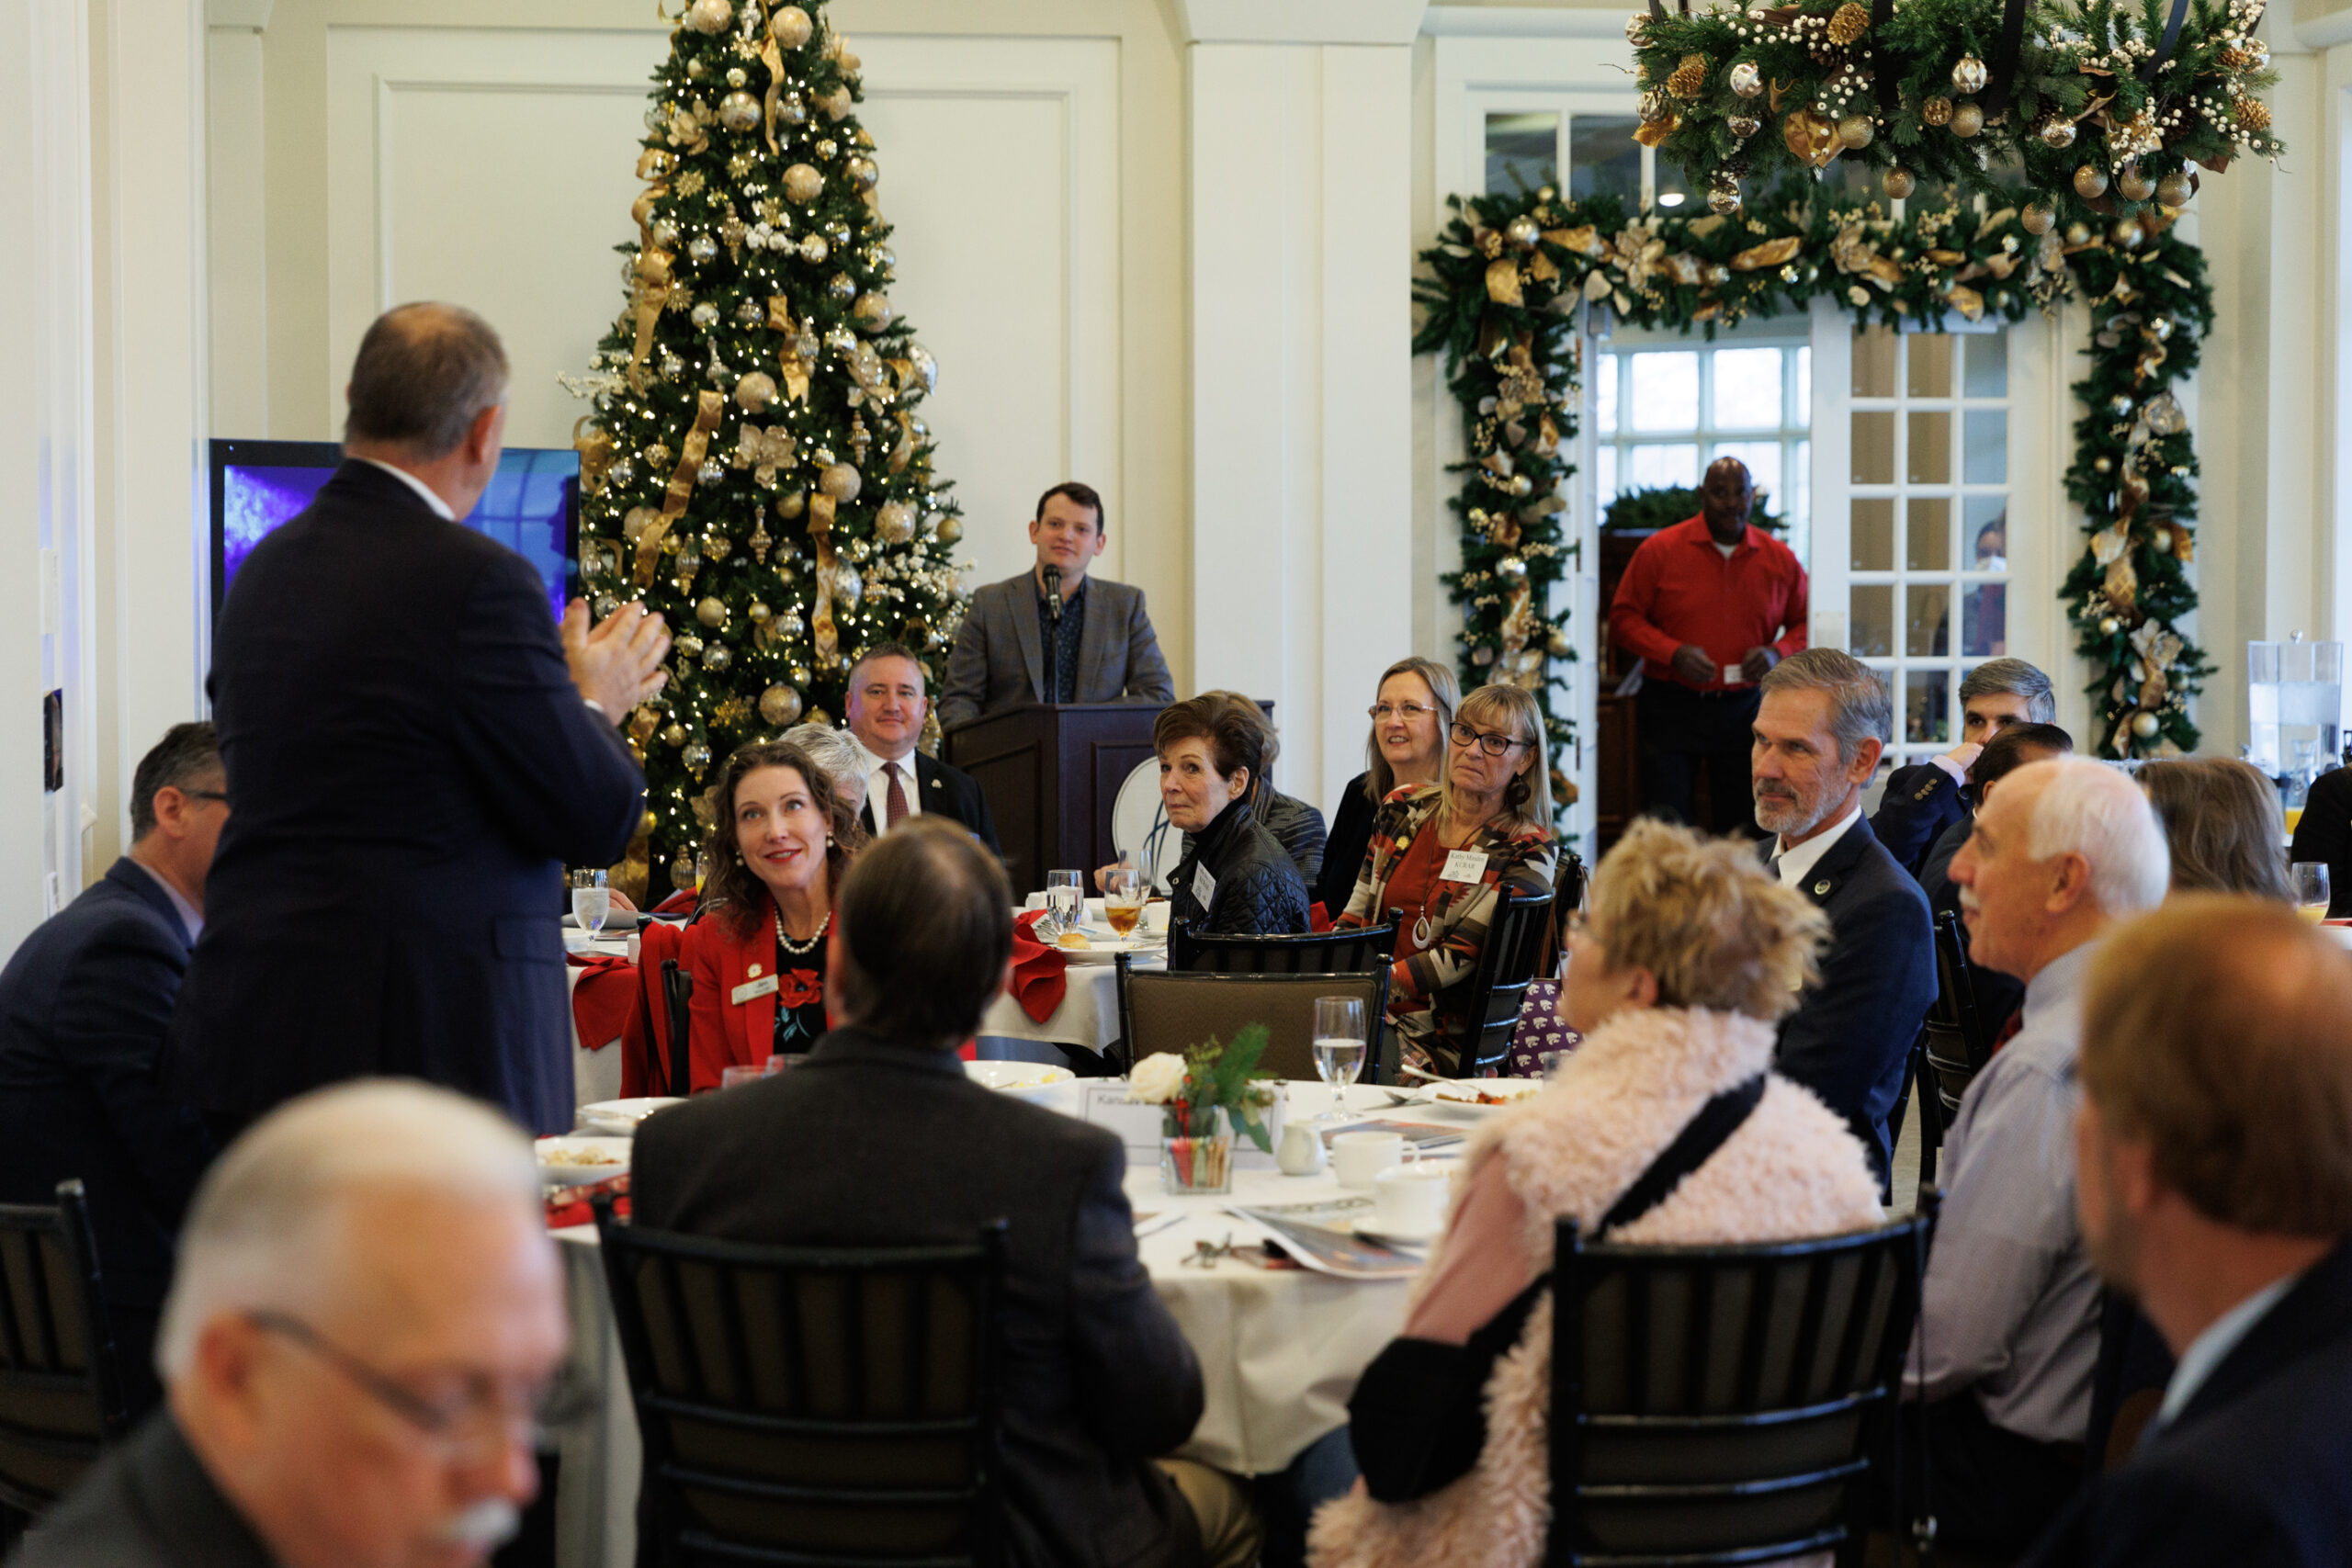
(1225, 1077)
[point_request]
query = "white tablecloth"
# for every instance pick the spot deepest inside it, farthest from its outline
(1089, 1016)
(595, 1065)
(1279, 1350)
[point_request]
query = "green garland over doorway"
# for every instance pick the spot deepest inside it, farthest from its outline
(1506, 283)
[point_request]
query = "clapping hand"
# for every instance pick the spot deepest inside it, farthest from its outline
(617, 663)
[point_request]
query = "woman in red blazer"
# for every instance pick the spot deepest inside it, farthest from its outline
(780, 838)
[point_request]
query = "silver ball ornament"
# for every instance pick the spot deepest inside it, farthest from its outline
(705, 314)
(2057, 134)
(2145, 724)
(861, 173)
(711, 472)
(1746, 80)
(813, 249)
(738, 112)
(1969, 75)
(717, 658)
(702, 248)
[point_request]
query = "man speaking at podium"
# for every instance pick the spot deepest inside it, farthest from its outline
(1051, 636)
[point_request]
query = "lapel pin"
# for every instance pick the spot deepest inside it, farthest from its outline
(756, 971)
(1822, 886)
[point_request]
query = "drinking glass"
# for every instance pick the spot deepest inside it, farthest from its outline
(1123, 899)
(1339, 1046)
(1064, 900)
(2309, 880)
(592, 901)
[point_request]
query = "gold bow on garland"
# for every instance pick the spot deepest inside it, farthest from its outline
(708, 406)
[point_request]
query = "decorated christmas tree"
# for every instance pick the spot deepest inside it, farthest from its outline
(755, 466)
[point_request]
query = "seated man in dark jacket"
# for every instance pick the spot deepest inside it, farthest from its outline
(84, 1006)
(1922, 801)
(879, 1138)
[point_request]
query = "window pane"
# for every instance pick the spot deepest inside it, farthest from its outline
(1874, 532)
(1930, 372)
(1872, 621)
(1875, 363)
(1604, 395)
(1649, 466)
(1926, 615)
(1985, 460)
(1763, 460)
(1603, 158)
(1984, 620)
(1929, 461)
(1987, 362)
(1873, 451)
(1521, 150)
(1986, 525)
(1927, 706)
(1604, 476)
(1928, 531)
(1747, 388)
(1665, 391)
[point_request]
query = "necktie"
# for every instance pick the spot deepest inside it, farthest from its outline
(894, 804)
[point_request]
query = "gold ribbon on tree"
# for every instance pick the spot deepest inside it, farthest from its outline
(796, 369)
(821, 614)
(597, 453)
(652, 293)
(709, 407)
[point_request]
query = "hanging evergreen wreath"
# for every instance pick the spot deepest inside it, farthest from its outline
(2094, 103)
(1510, 272)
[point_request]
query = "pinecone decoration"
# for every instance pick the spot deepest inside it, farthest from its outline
(1689, 78)
(1849, 23)
(2253, 114)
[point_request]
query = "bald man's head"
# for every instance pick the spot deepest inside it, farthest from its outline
(1725, 497)
(424, 374)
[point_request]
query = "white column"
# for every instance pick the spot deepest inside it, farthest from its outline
(1298, 120)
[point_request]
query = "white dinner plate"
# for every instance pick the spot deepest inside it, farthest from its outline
(1107, 948)
(1484, 1094)
(1019, 1077)
(621, 1116)
(578, 1161)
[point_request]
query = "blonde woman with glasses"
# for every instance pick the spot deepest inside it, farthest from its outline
(1410, 711)
(1441, 855)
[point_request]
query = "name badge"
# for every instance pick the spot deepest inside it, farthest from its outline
(766, 986)
(1463, 865)
(1203, 886)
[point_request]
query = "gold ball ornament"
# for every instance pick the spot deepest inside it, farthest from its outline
(803, 184)
(1967, 119)
(895, 523)
(717, 547)
(755, 390)
(791, 505)
(2128, 235)
(872, 312)
(1936, 111)
(836, 104)
(2091, 182)
(711, 612)
(1558, 643)
(688, 647)
(841, 483)
(709, 15)
(2109, 626)
(2175, 188)
(1899, 183)
(1857, 131)
(1746, 80)
(2039, 217)
(674, 734)
(638, 520)
(2132, 184)
(1723, 200)
(758, 613)
(2057, 134)
(861, 173)
(2078, 233)
(790, 27)
(950, 529)
(1969, 75)
(2145, 725)
(738, 112)
(780, 706)
(1522, 232)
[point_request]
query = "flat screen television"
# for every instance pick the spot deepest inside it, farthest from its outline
(532, 505)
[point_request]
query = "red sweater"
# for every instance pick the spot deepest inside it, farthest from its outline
(1679, 588)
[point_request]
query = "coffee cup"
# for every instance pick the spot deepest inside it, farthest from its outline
(1155, 916)
(1357, 1158)
(1408, 1200)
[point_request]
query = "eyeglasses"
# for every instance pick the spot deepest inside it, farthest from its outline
(205, 794)
(1409, 712)
(1491, 744)
(475, 1425)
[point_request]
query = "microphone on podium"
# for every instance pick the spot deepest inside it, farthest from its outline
(1054, 594)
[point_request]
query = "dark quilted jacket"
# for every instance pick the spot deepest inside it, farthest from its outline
(1258, 890)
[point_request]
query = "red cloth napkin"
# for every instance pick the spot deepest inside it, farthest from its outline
(579, 1212)
(604, 999)
(1317, 918)
(1040, 974)
(682, 902)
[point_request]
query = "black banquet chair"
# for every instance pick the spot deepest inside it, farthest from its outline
(1499, 985)
(61, 1399)
(813, 1405)
(1724, 1404)
(1358, 950)
(1957, 1038)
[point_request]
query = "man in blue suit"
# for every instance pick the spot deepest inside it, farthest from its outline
(2214, 1188)
(83, 1005)
(1824, 720)
(1922, 803)
(415, 749)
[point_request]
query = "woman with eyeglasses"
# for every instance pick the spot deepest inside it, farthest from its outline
(1441, 855)
(1410, 710)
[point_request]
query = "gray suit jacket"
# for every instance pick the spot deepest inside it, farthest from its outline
(999, 660)
(148, 1504)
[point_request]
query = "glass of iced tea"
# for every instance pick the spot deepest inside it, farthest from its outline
(1123, 899)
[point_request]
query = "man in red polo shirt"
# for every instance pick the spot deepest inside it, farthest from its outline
(1710, 604)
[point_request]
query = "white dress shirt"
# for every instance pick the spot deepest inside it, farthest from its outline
(423, 491)
(190, 916)
(1795, 864)
(878, 783)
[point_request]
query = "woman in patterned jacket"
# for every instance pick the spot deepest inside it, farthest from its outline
(1440, 856)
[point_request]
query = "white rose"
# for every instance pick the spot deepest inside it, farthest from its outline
(1156, 1079)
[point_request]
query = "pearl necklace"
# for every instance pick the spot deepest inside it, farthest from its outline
(800, 949)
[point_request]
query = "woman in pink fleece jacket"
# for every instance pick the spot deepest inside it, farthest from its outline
(1690, 955)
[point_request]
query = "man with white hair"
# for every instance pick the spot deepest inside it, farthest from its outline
(2008, 1327)
(366, 1320)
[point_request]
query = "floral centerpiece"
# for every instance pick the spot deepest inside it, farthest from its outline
(1204, 1094)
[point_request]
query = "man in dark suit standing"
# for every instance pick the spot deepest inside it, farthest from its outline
(1822, 723)
(878, 1138)
(415, 751)
(1052, 635)
(84, 1007)
(1925, 800)
(2214, 1188)
(886, 706)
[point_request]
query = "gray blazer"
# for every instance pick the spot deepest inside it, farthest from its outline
(999, 660)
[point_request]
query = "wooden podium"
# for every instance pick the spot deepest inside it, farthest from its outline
(1051, 773)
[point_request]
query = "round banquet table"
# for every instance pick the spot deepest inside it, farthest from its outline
(1279, 1350)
